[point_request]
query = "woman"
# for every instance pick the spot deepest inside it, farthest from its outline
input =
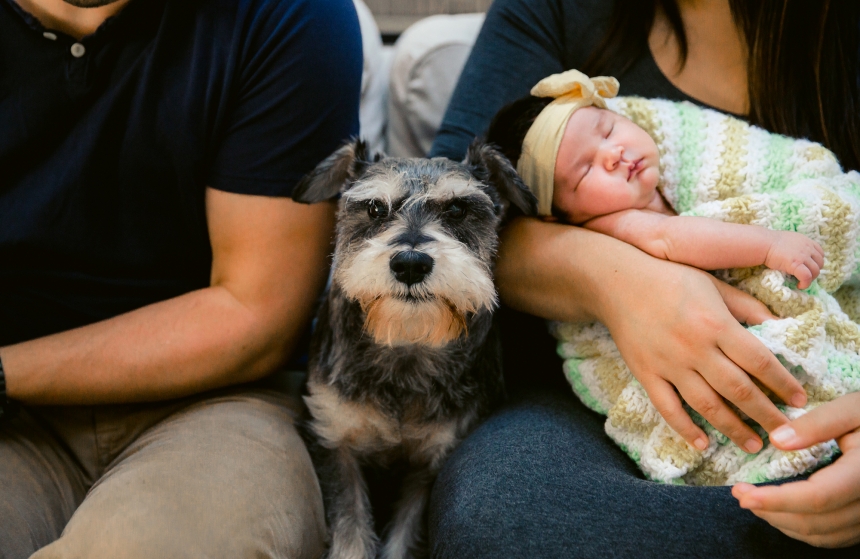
(540, 479)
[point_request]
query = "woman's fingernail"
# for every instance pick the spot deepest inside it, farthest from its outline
(783, 435)
(742, 489)
(799, 400)
(702, 443)
(753, 445)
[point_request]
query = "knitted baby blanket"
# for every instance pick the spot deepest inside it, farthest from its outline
(717, 166)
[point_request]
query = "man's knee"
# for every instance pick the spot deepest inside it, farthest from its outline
(226, 478)
(41, 485)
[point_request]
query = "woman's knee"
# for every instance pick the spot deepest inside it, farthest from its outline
(511, 480)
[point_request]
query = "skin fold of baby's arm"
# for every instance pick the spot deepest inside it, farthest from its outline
(710, 244)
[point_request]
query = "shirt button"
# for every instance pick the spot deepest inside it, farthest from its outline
(50, 36)
(78, 50)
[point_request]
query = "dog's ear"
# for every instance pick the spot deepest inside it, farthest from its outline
(335, 174)
(489, 165)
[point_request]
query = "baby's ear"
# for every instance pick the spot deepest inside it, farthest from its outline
(489, 166)
(335, 174)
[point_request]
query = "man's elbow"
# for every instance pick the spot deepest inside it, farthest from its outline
(264, 343)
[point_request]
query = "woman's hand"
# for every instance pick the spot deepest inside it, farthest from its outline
(685, 337)
(825, 509)
(673, 324)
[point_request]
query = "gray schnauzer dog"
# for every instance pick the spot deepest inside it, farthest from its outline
(405, 359)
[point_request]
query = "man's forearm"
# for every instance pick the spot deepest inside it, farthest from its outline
(198, 341)
(268, 265)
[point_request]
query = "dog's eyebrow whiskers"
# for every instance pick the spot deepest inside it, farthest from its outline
(449, 188)
(386, 187)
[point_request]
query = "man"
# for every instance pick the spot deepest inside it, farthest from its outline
(150, 259)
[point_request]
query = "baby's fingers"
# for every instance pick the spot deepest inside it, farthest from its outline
(818, 256)
(804, 275)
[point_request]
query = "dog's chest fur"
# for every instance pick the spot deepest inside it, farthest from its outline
(375, 398)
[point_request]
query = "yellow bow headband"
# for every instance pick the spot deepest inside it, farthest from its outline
(572, 90)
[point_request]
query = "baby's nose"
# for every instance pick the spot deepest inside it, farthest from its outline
(613, 157)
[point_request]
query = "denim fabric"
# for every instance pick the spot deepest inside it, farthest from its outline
(540, 479)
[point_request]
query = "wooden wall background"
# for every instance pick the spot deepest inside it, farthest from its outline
(393, 16)
(425, 7)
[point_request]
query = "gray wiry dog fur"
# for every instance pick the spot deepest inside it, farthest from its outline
(404, 360)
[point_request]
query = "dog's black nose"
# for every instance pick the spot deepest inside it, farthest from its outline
(411, 266)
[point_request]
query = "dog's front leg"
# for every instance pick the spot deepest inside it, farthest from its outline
(348, 507)
(406, 538)
(407, 535)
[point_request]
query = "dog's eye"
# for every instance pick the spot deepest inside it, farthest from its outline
(456, 210)
(376, 209)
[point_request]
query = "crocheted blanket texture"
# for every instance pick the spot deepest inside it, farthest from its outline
(718, 166)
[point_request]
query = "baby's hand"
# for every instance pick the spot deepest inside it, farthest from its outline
(797, 255)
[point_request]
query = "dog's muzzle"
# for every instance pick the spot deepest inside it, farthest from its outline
(411, 266)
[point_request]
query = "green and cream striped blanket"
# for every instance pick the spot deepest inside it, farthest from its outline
(717, 166)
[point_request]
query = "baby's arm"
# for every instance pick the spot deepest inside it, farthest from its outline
(711, 244)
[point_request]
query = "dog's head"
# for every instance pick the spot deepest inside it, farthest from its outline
(416, 238)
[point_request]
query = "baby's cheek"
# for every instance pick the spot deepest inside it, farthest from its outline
(650, 177)
(563, 200)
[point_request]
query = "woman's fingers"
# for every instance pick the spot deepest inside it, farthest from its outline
(830, 489)
(744, 307)
(834, 522)
(700, 396)
(822, 511)
(737, 387)
(748, 353)
(844, 538)
(828, 421)
(667, 402)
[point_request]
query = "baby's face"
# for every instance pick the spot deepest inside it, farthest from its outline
(605, 164)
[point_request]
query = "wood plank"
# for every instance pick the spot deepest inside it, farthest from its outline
(425, 7)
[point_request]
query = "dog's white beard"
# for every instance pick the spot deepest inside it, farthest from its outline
(431, 312)
(393, 322)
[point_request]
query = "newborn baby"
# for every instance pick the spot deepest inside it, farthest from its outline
(606, 177)
(700, 187)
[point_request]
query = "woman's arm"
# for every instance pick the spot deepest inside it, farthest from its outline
(676, 327)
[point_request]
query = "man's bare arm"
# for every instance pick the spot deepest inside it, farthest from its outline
(710, 244)
(269, 264)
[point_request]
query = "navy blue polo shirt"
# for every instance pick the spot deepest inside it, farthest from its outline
(108, 143)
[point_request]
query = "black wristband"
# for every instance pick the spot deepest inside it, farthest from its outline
(8, 408)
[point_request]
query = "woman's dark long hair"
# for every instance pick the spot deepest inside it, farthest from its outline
(803, 65)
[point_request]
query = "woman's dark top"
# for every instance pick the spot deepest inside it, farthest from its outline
(522, 42)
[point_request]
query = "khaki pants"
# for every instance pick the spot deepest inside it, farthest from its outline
(219, 475)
